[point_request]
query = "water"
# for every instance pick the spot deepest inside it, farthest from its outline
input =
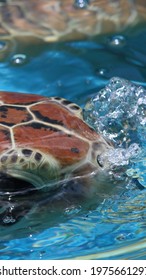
(114, 225)
(118, 111)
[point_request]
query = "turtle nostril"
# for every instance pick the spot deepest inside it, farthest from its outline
(99, 161)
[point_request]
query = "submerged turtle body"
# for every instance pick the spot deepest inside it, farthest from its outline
(65, 19)
(44, 139)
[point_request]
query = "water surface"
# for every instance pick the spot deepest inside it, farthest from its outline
(115, 225)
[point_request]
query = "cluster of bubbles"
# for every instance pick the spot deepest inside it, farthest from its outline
(119, 113)
(115, 44)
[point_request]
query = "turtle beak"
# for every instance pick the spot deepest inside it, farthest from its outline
(103, 159)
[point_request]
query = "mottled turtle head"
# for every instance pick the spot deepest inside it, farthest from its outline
(99, 154)
(46, 139)
(94, 162)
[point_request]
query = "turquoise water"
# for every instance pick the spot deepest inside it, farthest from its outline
(114, 225)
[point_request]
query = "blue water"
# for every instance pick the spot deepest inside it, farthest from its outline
(114, 227)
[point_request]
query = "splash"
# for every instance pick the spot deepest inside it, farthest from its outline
(119, 112)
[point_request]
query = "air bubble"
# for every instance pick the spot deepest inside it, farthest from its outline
(19, 59)
(3, 45)
(81, 4)
(9, 220)
(121, 237)
(117, 41)
(102, 72)
(59, 83)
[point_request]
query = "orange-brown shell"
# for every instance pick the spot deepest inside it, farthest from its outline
(49, 125)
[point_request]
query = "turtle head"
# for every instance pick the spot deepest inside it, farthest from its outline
(99, 152)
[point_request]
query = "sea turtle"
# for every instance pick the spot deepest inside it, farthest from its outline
(46, 139)
(53, 20)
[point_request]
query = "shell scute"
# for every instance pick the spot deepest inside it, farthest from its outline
(11, 116)
(52, 141)
(5, 139)
(63, 149)
(19, 99)
(25, 135)
(40, 113)
(60, 115)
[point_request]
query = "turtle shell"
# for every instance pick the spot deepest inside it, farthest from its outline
(42, 138)
(65, 19)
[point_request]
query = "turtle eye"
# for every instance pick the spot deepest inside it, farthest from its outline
(99, 161)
